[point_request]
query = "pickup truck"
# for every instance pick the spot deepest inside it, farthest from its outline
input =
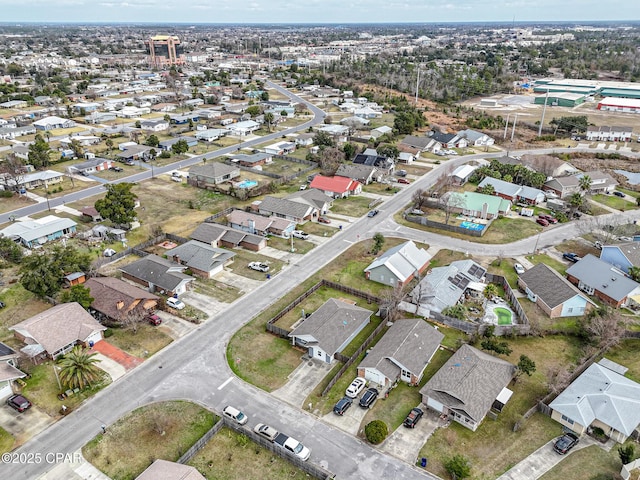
(292, 446)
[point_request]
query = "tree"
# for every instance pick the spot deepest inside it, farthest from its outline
(571, 124)
(494, 345)
(525, 365)
(634, 273)
(323, 139)
(330, 159)
(626, 453)
(490, 291)
(584, 183)
(152, 141)
(78, 151)
(376, 431)
(180, 147)
(39, 153)
(77, 293)
(12, 173)
(558, 378)
(389, 151)
(488, 189)
(349, 150)
(419, 198)
(109, 143)
(458, 467)
(450, 202)
(137, 124)
(603, 326)
(78, 368)
(253, 110)
(10, 251)
(118, 204)
(576, 200)
(268, 119)
(43, 274)
(378, 242)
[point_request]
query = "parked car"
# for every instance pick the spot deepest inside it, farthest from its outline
(259, 266)
(303, 187)
(625, 239)
(300, 234)
(542, 222)
(266, 431)
(372, 213)
(153, 319)
(565, 443)
(401, 173)
(109, 252)
(572, 257)
(116, 169)
(413, 417)
(356, 387)
(175, 303)
(342, 406)
(618, 194)
(19, 403)
(518, 268)
(323, 220)
(369, 397)
(235, 415)
(176, 179)
(548, 218)
(404, 181)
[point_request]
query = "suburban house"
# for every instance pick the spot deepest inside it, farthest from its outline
(330, 329)
(407, 157)
(259, 225)
(304, 139)
(547, 164)
(134, 152)
(336, 187)
(57, 330)
(213, 173)
(91, 214)
(477, 205)
(422, 144)
(565, 186)
(398, 265)
(84, 140)
(365, 174)
(339, 132)
(462, 174)
(284, 208)
(402, 354)
(51, 123)
(33, 180)
(314, 198)
(33, 233)
(91, 166)
(444, 286)
(476, 139)
(158, 275)
(154, 125)
(255, 160)
(218, 235)
(602, 280)
(117, 299)
(165, 470)
(514, 193)
(448, 140)
(553, 293)
(211, 134)
(9, 371)
(380, 131)
(243, 128)
(609, 134)
(468, 386)
(201, 258)
(622, 256)
(280, 148)
(168, 144)
(601, 397)
(370, 157)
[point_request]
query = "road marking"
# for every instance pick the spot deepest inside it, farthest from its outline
(348, 241)
(225, 383)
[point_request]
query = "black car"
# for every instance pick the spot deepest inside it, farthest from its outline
(369, 397)
(572, 257)
(618, 194)
(116, 169)
(566, 443)
(412, 419)
(342, 406)
(19, 403)
(372, 213)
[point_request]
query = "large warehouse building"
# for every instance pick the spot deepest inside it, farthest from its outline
(624, 105)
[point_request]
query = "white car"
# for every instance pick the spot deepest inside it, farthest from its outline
(356, 387)
(300, 234)
(109, 252)
(266, 431)
(175, 303)
(518, 268)
(235, 415)
(258, 266)
(297, 449)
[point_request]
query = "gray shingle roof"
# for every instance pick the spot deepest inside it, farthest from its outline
(157, 270)
(201, 256)
(469, 382)
(208, 232)
(604, 395)
(286, 207)
(333, 323)
(549, 285)
(213, 170)
(409, 343)
(603, 277)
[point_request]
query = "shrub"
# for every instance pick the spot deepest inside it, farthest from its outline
(108, 333)
(626, 453)
(6, 194)
(376, 431)
(458, 467)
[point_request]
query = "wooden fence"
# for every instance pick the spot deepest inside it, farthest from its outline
(443, 226)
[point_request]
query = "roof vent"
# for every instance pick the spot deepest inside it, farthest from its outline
(613, 279)
(604, 285)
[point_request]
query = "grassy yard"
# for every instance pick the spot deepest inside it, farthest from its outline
(445, 257)
(218, 290)
(578, 246)
(6, 441)
(161, 430)
(352, 206)
(626, 353)
(613, 201)
(589, 463)
(549, 261)
(284, 244)
(380, 189)
(14, 202)
(42, 389)
(313, 228)
(230, 456)
(244, 257)
(142, 343)
(596, 210)
(494, 447)
(20, 304)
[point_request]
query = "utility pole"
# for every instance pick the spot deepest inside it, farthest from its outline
(513, 131)
(543, 112)
(506, 125)
(417, 85)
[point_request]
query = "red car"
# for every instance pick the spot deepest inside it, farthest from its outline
(542, 222)
(404, 180)
(323, 220)
(154, 319)
(548, 218)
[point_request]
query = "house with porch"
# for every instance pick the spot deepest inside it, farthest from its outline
(468, 386)
(365, 174)
(9, 371)
(259, 225)
(91, 166)
(330, 329)
(255, 160)
(512, 192)
(52, 123)
(34, 233)
(218, 235)
(158, 275)
(336, 187)
(601, 397)
(119, 300)
(296, 212)
(477, 205)
(402, 354)
(313, 198)
(476, 139)
(56, 331)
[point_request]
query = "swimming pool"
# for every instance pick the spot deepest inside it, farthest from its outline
(504, 315)
(498, 314)
(246, 184)
(472, 226)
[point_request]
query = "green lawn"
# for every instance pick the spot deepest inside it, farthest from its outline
(244, 257)
(613, 201)
(142, 343)
(162, 430)
(352, 206)
(284, 244)
(6, 441)
(218, 290)
(547, 260)
(591, 463)
(20, 304)
(380, 189)
(319, 229)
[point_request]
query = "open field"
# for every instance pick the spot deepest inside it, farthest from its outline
(352, 206)
(161, 430)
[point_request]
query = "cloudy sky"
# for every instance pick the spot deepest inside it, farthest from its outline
(315, 11)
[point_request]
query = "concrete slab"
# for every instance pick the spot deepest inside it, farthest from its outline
(351, 420)
(24, 425)
(406, 443)
(601, 146)
(173, 326)
(244, 284)
(302, 381)
(113, 368)
(74, 467)
(205, 303)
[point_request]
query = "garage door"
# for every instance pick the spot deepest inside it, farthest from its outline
(5, 390)
(374, 376)
(437, 406)
(94, 338)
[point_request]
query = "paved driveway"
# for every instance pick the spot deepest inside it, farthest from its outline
(406, 443)
(302, 381)
(351, 420)
(207, 304)
(23, 425)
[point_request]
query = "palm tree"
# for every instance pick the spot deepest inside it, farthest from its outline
(78, 368)
(584, 183)
(490, 291)
(576, 200)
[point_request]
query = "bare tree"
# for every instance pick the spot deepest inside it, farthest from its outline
(604, 230)
(605, 327)
(558, 378)
(330, 159)
(391, 300)
(420, 198)
(451, 202)
(12, 172)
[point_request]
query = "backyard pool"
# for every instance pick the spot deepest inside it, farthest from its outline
(246, 184)
(498, 314)
(504, 315)
(472, 226)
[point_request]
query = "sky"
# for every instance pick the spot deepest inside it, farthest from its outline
(314, 11)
